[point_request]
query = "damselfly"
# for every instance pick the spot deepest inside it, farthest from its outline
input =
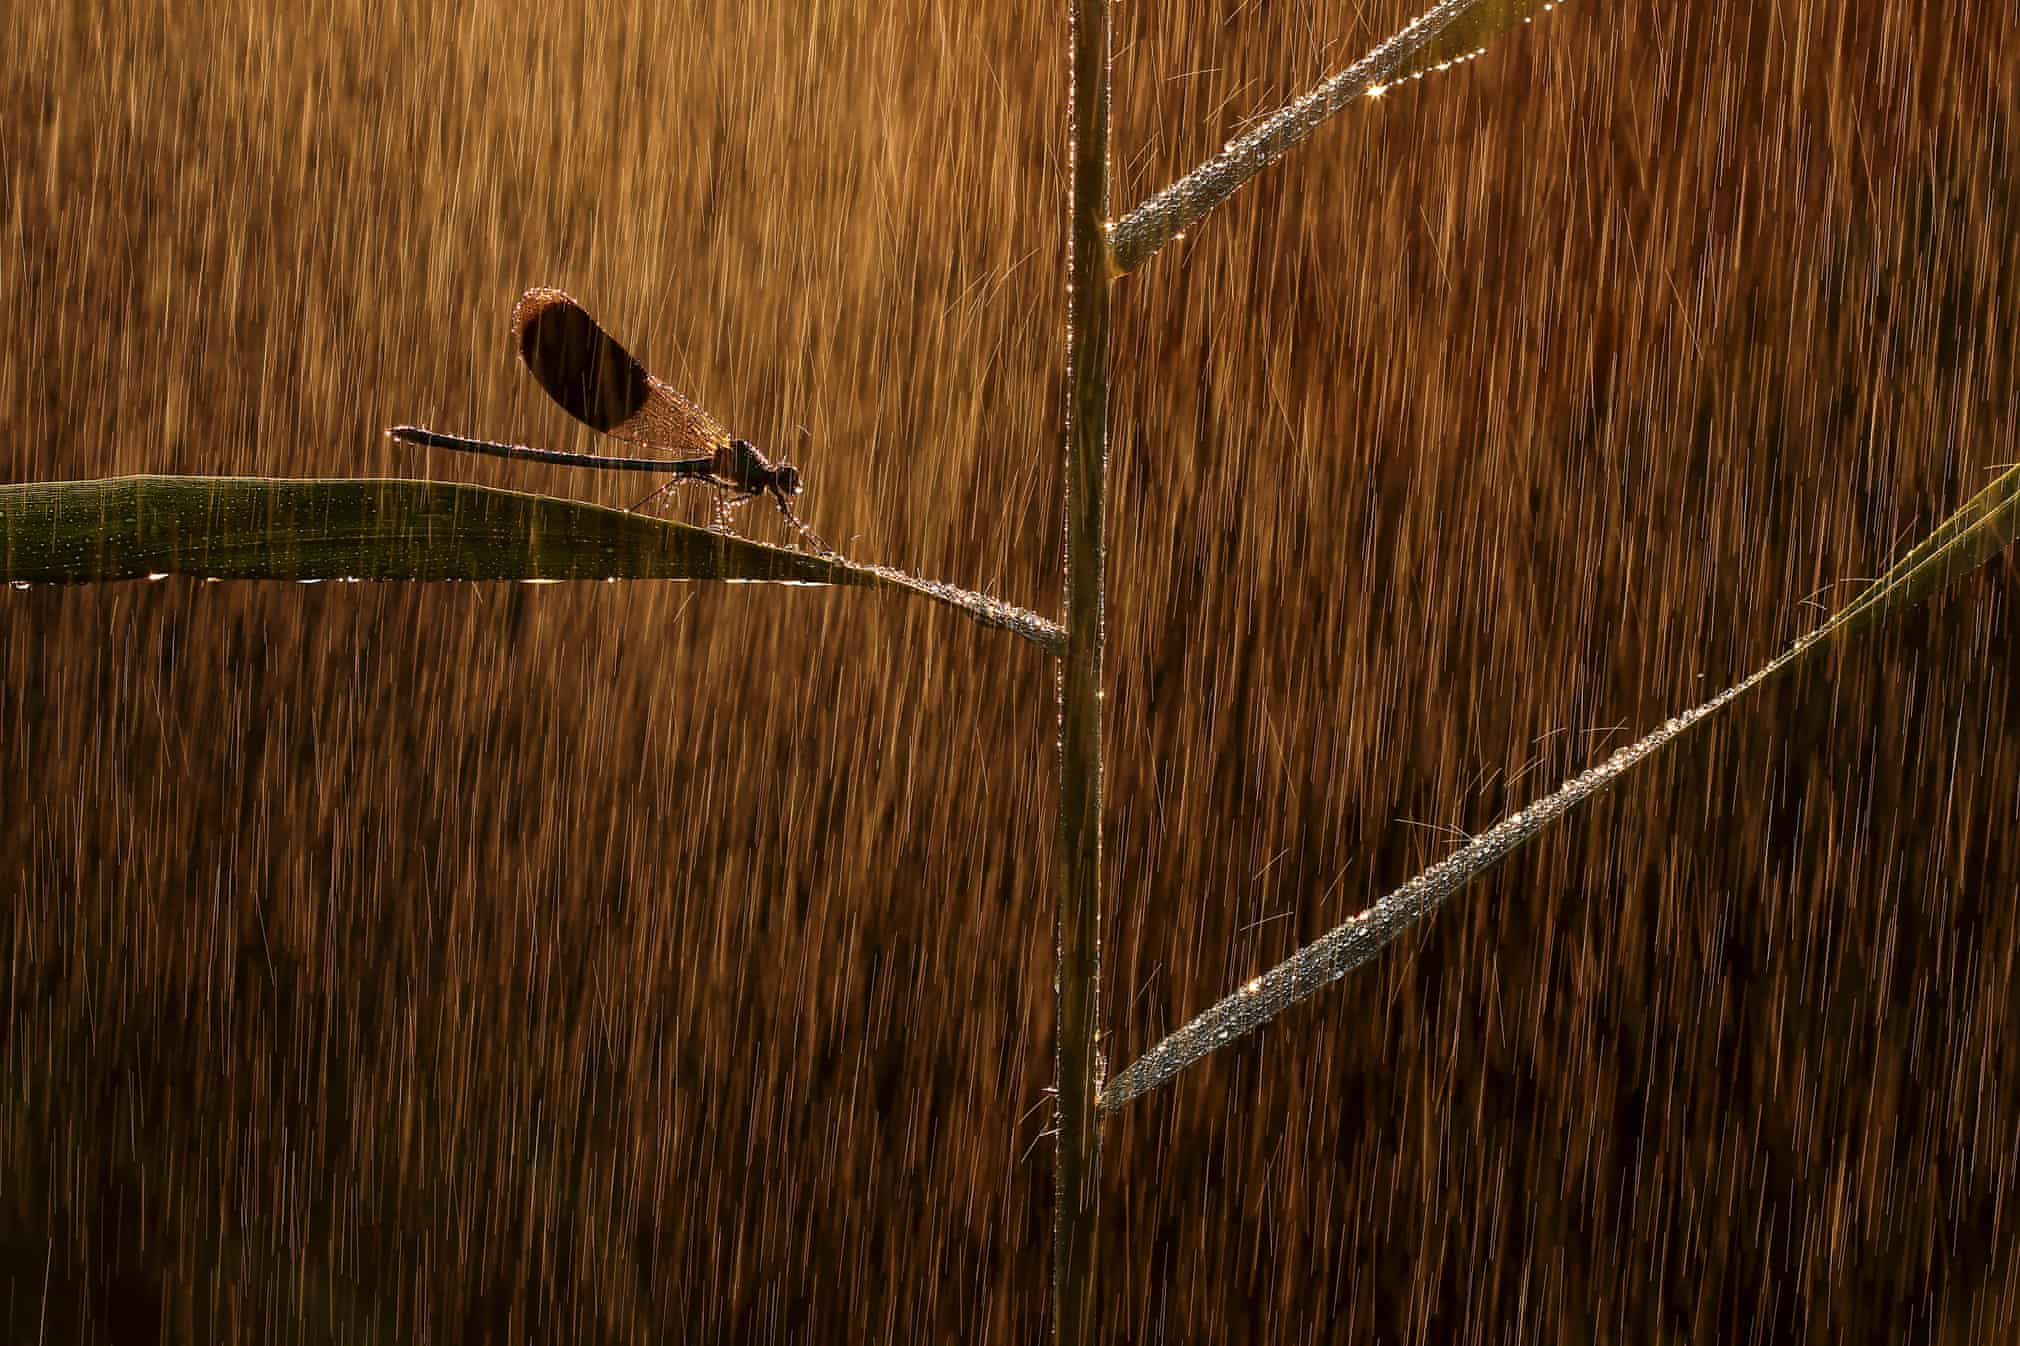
(599, 383)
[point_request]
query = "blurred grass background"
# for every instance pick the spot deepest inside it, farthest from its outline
(630, 963)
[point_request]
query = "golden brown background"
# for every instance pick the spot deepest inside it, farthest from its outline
(637, 963)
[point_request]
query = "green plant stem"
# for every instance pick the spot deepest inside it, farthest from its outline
(1077, 1195)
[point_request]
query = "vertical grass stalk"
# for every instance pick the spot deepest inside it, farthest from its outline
(1077, 1177)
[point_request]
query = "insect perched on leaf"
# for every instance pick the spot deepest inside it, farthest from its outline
(601, 384)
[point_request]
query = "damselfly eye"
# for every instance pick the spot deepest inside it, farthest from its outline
(789, 479)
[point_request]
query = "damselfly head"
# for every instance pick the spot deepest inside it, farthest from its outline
(788, 478)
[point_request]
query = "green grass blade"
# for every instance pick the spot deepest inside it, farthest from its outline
(1986, 523)
(260, 528)
(1471, 33)
(1446, 32)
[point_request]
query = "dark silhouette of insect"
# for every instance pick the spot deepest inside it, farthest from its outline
(601, 384)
